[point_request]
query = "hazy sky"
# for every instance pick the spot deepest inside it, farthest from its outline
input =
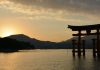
(46, 19)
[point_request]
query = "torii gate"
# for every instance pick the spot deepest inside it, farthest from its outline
(88, 29)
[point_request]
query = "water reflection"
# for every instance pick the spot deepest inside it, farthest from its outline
(86, 63)
(47, 60)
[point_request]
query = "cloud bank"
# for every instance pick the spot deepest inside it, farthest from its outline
(57, 9)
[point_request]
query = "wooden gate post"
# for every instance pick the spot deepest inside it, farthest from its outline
(79, 43)
(73, 43)
(83, 44)
(94, 47)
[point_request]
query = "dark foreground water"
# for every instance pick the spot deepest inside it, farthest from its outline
(47, 60)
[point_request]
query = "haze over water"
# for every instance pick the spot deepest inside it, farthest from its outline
(47, 60)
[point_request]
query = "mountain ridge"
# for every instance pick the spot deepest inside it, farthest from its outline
(51, 45)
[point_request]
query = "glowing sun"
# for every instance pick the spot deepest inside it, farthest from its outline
(7, 32)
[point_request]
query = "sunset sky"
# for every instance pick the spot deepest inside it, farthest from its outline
(46, 19)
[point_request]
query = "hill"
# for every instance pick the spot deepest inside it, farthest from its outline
(51, 45)
(11, 45)
(37, 43)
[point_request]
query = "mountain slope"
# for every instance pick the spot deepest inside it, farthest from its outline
(51, 45)
(37, 43)
(88, 41)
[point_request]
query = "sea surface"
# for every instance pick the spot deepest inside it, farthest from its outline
(61, 59)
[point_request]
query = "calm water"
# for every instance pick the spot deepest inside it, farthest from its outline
(47, 60)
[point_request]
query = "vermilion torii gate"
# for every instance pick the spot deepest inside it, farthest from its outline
(81, 43)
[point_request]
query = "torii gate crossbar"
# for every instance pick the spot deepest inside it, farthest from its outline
(88, 29)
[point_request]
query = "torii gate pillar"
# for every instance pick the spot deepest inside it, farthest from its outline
(87, 28)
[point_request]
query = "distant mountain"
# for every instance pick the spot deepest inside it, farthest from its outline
(22, 37)
(51, 45)
(38, 44)
(22, 42)
(88, 41)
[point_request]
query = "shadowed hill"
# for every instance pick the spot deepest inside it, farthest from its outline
(37, 43)
(11, 45)
(51, 45)
(88, 43)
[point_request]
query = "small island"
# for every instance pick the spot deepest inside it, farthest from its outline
(13, 45)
